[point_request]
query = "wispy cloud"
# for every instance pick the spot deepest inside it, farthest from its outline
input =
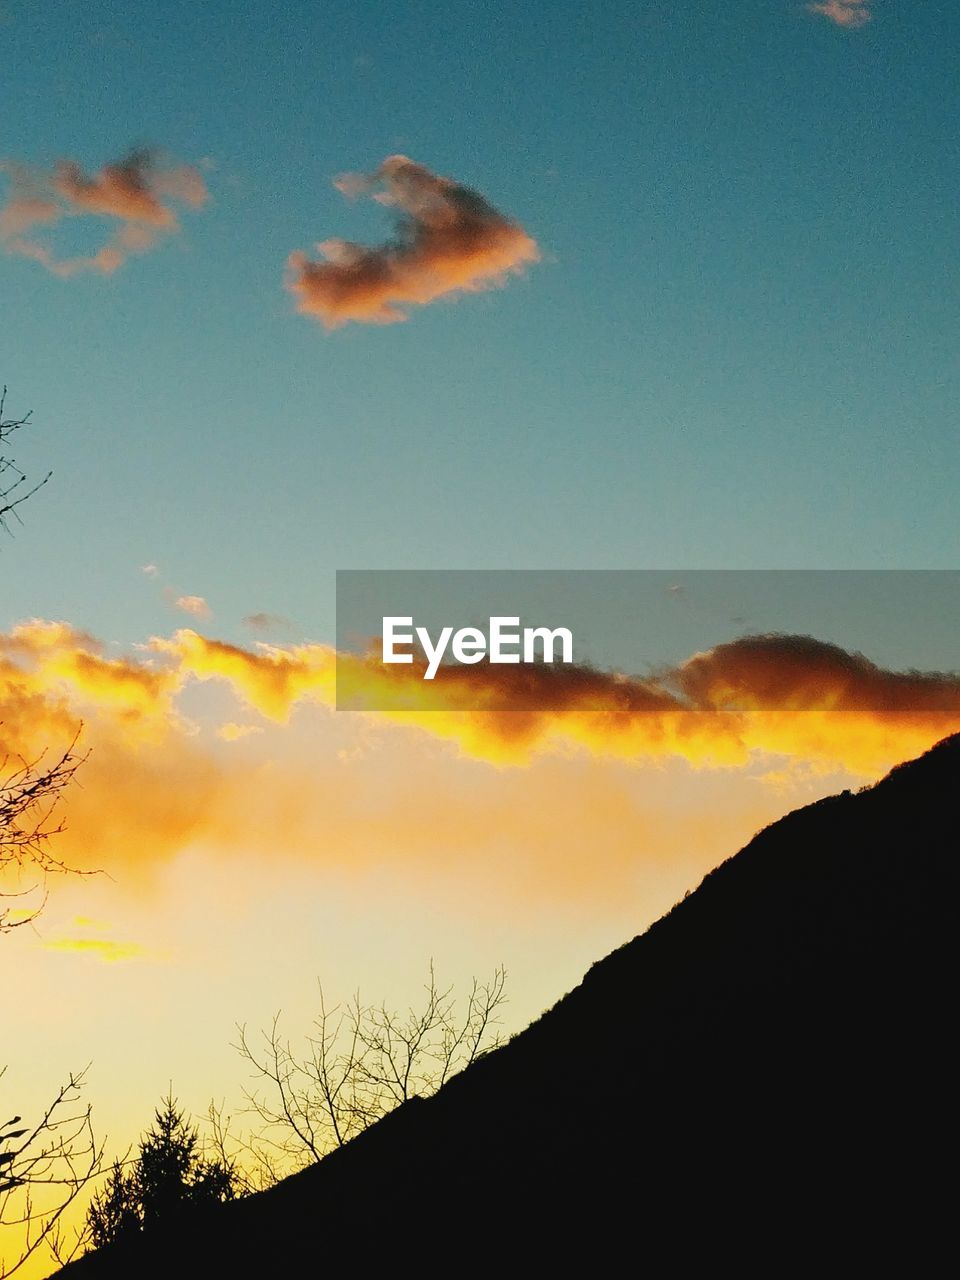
(137, 194)
(107, 950)
(845, 13)
(102, 949)
(196, 606)
(263, 623)
(232, 732)
(449, 239)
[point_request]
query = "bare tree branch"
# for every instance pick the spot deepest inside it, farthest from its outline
(359, 1062)
(255, 1166)
(30, 792)
(44, 1167)
(15, 488)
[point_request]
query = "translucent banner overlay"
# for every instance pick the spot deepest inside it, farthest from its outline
(626, 642)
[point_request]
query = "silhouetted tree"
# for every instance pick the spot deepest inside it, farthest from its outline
(45, 1163)
(15, 488)
(360, 1061)
(170, 1180)
(44, 1166)
(115, 1211)
(30, 788)
(30, 791)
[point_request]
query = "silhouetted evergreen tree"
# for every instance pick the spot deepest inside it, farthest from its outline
(114, 1213)
(170, 1179)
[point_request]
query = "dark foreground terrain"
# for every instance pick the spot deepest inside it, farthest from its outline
(765, 1080)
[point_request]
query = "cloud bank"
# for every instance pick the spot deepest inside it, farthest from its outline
(262, 771)
(778, 694)
(136, 193)
(775, 693)
(449, 239)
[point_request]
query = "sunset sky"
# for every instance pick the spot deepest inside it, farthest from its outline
(677, 289)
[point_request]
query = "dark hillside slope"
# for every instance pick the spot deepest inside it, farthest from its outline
(768, 1071)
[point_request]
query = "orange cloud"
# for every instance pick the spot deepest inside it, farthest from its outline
(22, 212)
(449, 240)
(135, 192)
(789, 695)
(119, 190)
(106, 260)
(800, 673)
(148, 784)
(789, 709)
(845, 13)
(53, 676)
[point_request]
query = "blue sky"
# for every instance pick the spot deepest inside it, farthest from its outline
(738, 350)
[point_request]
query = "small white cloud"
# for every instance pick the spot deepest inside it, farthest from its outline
(196, 606)
(231, 732)
(267, 622)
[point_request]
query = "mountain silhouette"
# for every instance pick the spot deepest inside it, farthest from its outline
(765, 1079)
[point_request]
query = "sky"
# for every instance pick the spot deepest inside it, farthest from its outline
(677, 290)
